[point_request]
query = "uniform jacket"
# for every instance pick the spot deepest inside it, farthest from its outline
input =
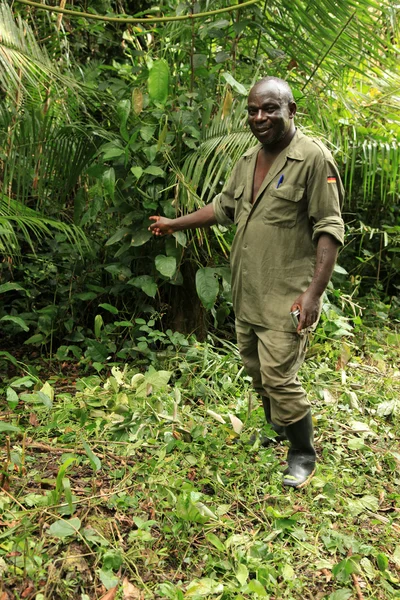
(274, 248)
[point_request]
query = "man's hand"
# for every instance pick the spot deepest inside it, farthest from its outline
(161, 226)
(204, 217)
(308, 302)
(308, 305)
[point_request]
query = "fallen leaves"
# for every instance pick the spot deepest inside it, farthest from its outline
(28, 591)
(110, 595)
(130, 592)
(33, 420)
(237, 424)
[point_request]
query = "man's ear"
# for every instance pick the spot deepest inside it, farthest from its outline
(292, 109)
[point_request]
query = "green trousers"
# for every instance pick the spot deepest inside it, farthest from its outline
(272, 359)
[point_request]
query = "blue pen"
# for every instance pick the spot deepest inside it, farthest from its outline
(280, 181)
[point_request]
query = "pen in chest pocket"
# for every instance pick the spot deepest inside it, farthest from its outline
(280, 181)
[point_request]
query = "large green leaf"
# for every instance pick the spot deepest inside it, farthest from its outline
(112, 309)
(153, 170)
(17, 320)
(123, 110)
(94, 460)
(166, 265)
(118, 236)
(12, 396)
(140, 236)
(64, 528)
(235, 84)
(206, 587)
(187, 509)
(109, 181)
(7, 287)
(158, 81)
(146, 284)
(7, 427)
(207, 286)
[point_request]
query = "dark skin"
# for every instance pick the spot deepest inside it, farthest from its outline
(271, 120)
(308, 301)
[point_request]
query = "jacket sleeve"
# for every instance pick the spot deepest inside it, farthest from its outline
(224, 203)
(325, 198)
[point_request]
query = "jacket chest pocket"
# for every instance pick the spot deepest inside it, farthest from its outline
(238, 196)
(282, 206)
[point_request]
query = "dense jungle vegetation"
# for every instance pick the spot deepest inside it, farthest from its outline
(126, 418)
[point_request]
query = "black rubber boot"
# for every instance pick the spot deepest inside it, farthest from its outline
(301, 455)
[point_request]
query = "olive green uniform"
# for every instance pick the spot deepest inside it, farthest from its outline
(273, 260)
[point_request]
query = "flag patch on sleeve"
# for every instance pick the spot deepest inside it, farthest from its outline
(331, 179)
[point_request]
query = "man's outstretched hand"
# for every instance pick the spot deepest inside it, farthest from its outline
(204, 217)
(161, 226)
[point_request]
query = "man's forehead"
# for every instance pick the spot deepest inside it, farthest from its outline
(266, 90)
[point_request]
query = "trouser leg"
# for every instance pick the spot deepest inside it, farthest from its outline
(278, 357)
(289, 404)
(281, 354)
(248, 348)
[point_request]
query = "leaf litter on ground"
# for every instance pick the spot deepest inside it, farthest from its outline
(145, 484)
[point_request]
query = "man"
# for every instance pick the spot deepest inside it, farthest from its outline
(284, 195)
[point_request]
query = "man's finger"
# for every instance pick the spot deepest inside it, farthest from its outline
(154, 218)
(302, 321)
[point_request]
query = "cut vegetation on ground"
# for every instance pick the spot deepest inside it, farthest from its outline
(143, 483)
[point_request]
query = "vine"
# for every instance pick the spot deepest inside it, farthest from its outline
(79, 14)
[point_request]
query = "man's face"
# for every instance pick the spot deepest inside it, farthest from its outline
(270, 116)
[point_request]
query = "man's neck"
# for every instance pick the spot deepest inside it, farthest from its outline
(273, 151)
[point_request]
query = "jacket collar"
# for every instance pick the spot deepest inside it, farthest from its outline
(295, 150)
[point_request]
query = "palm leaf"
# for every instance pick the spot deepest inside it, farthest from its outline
(45, 158)
(361, 123)
(15, 217)
(25, 67)
(205, 170)
(324, 36)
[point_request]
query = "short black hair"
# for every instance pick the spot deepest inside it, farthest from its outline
(286, 89)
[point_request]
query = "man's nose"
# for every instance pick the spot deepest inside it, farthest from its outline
(260, 115)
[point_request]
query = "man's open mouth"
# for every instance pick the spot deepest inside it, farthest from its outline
(262, 129)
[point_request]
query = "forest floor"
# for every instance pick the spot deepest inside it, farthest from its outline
(143, 483)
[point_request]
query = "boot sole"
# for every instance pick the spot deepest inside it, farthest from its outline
(302, 485)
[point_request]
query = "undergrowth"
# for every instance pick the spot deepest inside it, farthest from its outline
(144, 482)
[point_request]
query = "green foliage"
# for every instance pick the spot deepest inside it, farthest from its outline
(26, 66)
(154, 125)
(139, 471)
(158, 81)
(178, 487)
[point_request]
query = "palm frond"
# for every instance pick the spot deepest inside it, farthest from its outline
(45, 158)
(222, 144)
(15, 217)
(25, 67)
(360, 120)
(327, 36)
